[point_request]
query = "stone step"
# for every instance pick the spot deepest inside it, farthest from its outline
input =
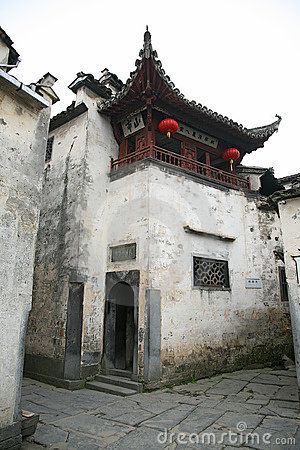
(110, 388)
(120, 373)
(120, 381)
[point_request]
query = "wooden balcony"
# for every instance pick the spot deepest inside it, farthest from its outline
(189, 165)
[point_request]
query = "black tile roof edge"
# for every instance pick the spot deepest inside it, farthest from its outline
(288, 178)
(70, 113)
(147, 52)
(251, 169)
(13, 54)
(285, 194)
(88, 80)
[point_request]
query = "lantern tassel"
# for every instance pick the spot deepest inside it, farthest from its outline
(169, 134)
(231, 164)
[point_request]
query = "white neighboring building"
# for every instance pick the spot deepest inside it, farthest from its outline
(288, 201)
(24, 122)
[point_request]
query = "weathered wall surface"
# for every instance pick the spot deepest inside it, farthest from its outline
(23, 131)
(100, 148)
(202, 331)
(4, 53)
(205, 330)
(289, 211)
(57, 248)
(72, 241)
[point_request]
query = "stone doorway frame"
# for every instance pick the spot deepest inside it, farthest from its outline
(132, 278)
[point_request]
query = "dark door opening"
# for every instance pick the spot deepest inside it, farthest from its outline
(120, 328)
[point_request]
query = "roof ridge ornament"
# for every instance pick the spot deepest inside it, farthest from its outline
(147, 49)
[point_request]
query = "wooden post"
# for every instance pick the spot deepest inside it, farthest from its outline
(207, 163)
(123, 149)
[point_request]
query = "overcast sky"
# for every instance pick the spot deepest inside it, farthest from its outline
(237, 57)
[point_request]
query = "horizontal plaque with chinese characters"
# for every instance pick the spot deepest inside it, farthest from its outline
(253, 283)
(197, 135)
(123, 252)
(133, 124)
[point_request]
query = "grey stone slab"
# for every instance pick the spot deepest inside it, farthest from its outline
(28, 381)
(243, 375)
(210, 401)
(227, 387)
(238, 422)
(107, 431)
(134, 417)
(285, 373)
(80, 441)
(282, 409)
(140, 438)
(198, 420)
(154, 406)
(204, 440)
(242, 395)
(257, 399)
(216, 437)
(276, 438)
(124, 411)
(169, 419)
(90, 399)
(27, 390)
(228, 447)
(272, 423)
(173, 397)
(47, 435)
(47, 415)
(28, 445)
(287, 393)
(58, 403)
(123, 405)
(261, 389)
(236, 404)
(277, 380)
(196, 388)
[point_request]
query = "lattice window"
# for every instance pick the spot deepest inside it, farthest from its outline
(211, 273)
(49, 149)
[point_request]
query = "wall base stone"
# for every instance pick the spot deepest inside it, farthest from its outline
(51, 371)
(10, 437)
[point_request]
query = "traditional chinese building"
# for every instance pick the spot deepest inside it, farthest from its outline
(154, 259)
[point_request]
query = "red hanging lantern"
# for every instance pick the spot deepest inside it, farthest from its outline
(168, 126)
(231, 155)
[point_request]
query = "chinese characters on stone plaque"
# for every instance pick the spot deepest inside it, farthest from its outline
(123, 252)
(197, 135)
(132, 124)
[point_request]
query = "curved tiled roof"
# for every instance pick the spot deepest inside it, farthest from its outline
(147, 53)
(70, 113)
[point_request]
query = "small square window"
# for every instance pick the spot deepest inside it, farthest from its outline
(49, 149)
(210, 273)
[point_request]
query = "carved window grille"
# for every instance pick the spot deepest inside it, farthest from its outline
(211, 273)
(49, 149)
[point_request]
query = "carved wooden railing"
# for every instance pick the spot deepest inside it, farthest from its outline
(167, 157)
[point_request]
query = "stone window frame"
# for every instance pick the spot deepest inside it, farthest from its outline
(209, 287)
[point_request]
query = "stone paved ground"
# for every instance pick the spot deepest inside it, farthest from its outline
(260, 407)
